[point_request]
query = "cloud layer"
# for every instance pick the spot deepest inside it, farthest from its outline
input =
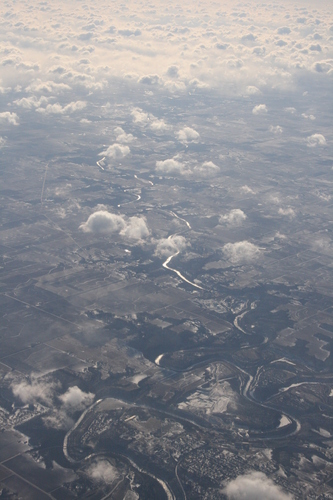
(221, 48)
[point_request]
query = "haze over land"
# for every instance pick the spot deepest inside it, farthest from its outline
(166, 250)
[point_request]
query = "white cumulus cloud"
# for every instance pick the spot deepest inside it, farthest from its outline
(135, 228)
(241, 251)
(207, 169)
(260, 109)
(57, 109)
(30, 102)
(7, 117)
(234, 218)
(139, 116)
(187, 134)
(157, 125)
(104, 222)
(252, 90)
(122, 136)
(149, 120)
(170, 166)
(287, 212)
(75, 399)
(170, 246)
(255, 486)
(116, 151)
(102, 471)
(315, 140)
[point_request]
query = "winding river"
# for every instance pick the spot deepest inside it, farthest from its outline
(166, 266)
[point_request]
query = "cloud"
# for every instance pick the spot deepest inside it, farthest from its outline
(173, 166)
(7, 117)
(192, 55)
(30, 102)
(47, 86)
(241, 251)
(308, 117)
(246, 189)
(116, 151)
(102, 471)
(252, 90)
(57, 109)
(59, 419)
(234, 218)
(148, 119)
(122, 136)
(254, 486)
(276, 129)
(103, 222)
(75, 399)
(322, 245)
(139, 116)
(159, 125)
(170, 246)
(280, 236)
(34, 389)
(290, 110)
(43, 390)
(187, 134)
(260, 109)
(288, 212)
(135, 228)
(316, 140)
(170, 166)
(71, 401)
(2, 142)
(207, 169)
